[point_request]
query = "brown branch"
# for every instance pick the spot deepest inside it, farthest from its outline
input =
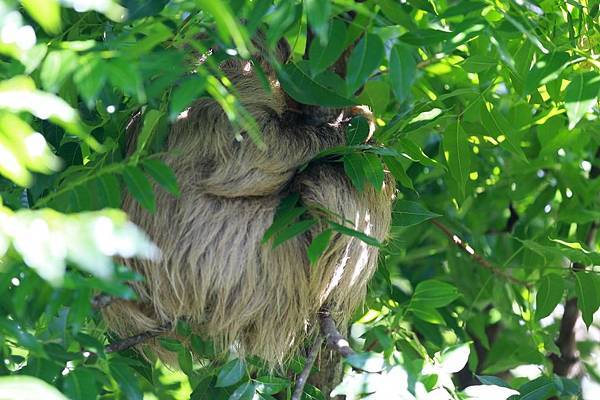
(568, 363)
(333, 337)
(310, 360)
(132, 341)
(475, 256)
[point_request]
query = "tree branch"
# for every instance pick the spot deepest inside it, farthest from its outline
(475, 256)
(333, 337)
(310, 360)
(568, 363)
(132, 341)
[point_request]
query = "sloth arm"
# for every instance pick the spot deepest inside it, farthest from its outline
(227, 167)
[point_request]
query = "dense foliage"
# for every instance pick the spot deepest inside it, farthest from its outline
(487, 115)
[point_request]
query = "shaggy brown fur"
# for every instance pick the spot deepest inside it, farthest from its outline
(215, 273)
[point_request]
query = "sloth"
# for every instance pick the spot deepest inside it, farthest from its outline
(215, 272)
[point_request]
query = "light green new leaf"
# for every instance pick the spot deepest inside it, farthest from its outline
(90, 77)
(402, 70)
(587, 289)
(364, 59)
(581, 95)
(56, 68)
(457, 153)
(162, 174)
(27, 387)
(550, 293)
(407, 213)
(139, 187)
(44, 12)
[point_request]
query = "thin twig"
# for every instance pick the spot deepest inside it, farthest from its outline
(132, 341)
(475, 256)
(310, 360)
(333, 337)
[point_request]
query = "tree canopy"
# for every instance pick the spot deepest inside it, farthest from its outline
(487, 117)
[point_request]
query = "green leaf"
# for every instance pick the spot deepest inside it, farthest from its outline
(293, 230)
(185, 93)
(457, 153)
(587, 290)
(22, 387)
(245, 391)
(271, 384)
(185, 361)
(318, 12)
(90, 77)
(227, 24)
(44, 12)
(410, 149)
(357, 131)
(231, 373)
(80, 384)
(140, 187)
(318, 245)
(541, 388)
(403, 69)
(545, 69)
(581, 95)
(162, 174)
(489, 392)
(550, 293)
(126, 380)
(143, 8)
(353, 166)
(373, 169)
(368, 362)
(434, 293)
(454, 358)
(56, 68)
(364, 59)
(12, 329)
(109, 190)
(304, 89)
(283, 217)
(407, 213)
(398, 171)
(428, 314)
(151, 121)
(354, 233)
(322, 56)
(499, 125)
(478, 63)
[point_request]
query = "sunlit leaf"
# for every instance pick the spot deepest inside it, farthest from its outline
(581, 95)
